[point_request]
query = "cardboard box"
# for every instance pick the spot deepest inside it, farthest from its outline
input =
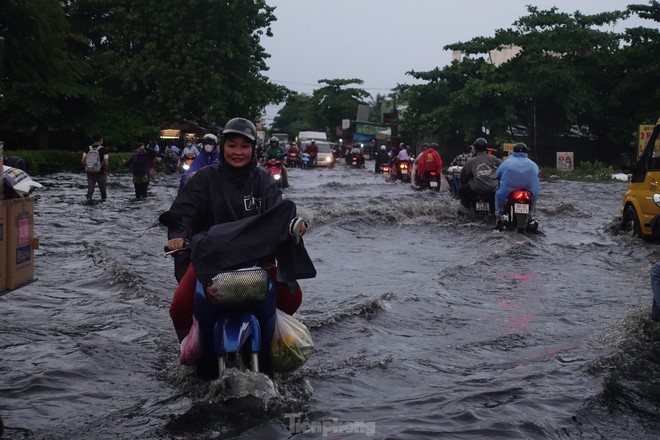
(20, 241)
(2, 180)
(3, 245)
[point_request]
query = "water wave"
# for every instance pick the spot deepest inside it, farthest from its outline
(366, 309)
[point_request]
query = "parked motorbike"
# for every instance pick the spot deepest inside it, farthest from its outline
(516, 213)
(274, 168)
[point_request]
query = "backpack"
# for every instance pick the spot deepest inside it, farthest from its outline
(93, 160)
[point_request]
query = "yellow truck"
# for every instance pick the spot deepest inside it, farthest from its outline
(640, 211)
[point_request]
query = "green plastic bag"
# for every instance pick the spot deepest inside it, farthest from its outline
(292, 343)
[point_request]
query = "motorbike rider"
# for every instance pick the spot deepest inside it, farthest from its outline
(478, 175)
(401, 156)
(190, 149)
(207, 156)
(517, 172)
(428, 160)
(313, 150)
(461, 159)
(233, 213)
(276, 152)
(356, 151)
(381, 158)
(293, 155)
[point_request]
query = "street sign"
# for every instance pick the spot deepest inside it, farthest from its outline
(345, 124)
(565, 161)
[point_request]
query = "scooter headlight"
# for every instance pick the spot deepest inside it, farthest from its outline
(185, 167)
(656, 199)
(277, 176)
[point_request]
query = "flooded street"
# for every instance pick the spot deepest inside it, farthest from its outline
(426, 325)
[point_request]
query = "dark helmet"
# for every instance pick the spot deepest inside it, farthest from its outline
(426, 145)
(520, 147)
(434, 146)
(240, 126)
(480, 144)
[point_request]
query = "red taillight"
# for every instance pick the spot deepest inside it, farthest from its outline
(522, 196)
(433, 173)
(403, 166)
(386, 169)
(355, 159)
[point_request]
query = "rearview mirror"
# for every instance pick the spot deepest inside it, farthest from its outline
(627, 162)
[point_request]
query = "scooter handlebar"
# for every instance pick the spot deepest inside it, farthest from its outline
(185, 248)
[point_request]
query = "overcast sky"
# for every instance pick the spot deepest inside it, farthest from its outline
(378, 41)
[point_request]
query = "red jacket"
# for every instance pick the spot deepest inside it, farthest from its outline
(429, 160)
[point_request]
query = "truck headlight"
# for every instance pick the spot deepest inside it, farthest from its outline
(656, 199)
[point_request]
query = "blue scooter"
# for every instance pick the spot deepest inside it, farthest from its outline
(306, 161)
(236, 314)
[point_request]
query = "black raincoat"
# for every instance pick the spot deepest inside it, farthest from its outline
(234, 216)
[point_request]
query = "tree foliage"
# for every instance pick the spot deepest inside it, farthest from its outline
(570, 71)
(128, 68)
(324, 109)
(42, 87)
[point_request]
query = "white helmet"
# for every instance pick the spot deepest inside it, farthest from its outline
(210, 136)
(382, 147)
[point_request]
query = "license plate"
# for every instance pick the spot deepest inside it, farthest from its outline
(404, 171)
(433, 184)
(482, 206)
(521, 208)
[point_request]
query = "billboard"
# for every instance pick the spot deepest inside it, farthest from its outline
(645, 131)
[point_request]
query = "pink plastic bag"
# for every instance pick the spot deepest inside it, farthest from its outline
(191, 346)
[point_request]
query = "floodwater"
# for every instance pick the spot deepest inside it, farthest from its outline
(426, 326)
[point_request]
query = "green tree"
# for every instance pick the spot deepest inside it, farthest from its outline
(563, 75)
(160, 61)
(634, 94)
(42, 88)
(294, 116)
(334, 101)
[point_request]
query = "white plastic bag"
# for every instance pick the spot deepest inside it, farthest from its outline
(19, 181)
(292, 343)
(191, 346)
